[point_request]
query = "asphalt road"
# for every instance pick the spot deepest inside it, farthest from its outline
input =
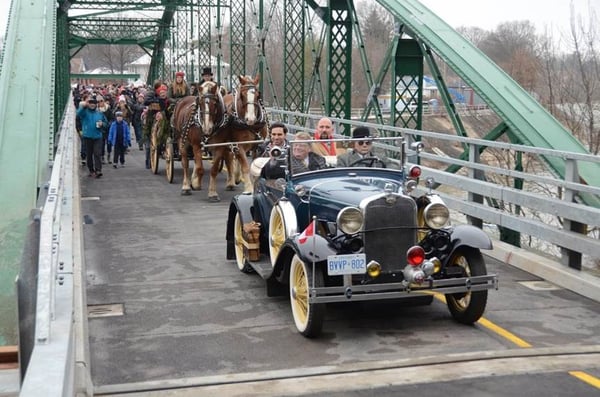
(186, 322)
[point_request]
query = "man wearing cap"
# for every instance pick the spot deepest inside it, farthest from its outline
(361, 149)
(92, 122)
(120, 138)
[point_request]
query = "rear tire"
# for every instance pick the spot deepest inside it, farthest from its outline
(241, 252)
(468, 307)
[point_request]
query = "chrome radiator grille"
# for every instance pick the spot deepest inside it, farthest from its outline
(389, 230)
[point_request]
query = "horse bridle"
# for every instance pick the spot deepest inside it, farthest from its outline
(257, 103)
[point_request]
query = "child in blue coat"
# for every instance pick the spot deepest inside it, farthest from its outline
(119, 137)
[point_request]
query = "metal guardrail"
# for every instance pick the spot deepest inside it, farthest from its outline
(552, 220)
(59, 362)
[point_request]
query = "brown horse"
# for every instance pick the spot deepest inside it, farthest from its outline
(246, 127)
(194, 117)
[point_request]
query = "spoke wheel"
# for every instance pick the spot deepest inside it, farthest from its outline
(169, 160)
(468, 307)
(154, 146)
(309, 317)
(277, 233)
(241, 252)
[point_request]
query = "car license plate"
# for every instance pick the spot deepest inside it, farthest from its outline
(346, 264)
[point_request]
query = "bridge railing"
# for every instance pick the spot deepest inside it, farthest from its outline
(505, 186)
(59, 360)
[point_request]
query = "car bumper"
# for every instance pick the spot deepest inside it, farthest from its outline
(350, 293)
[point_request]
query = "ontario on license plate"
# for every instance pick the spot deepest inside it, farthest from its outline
(346, 264)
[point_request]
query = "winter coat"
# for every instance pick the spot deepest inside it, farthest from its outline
(88, 119)
(112, 134)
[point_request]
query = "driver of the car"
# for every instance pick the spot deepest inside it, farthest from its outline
(361, 149)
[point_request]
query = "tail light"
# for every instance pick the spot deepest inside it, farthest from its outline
(415, 255)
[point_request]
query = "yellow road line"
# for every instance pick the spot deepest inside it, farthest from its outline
(495, 328)
(587, 378)
(503, 333)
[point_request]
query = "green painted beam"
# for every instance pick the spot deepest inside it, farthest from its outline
(106, 76)
(525, 117)
(26, 136)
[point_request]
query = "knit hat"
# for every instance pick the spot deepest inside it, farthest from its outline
(180, 73)
(119, 114)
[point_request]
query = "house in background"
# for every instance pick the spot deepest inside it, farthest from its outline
(141, 66)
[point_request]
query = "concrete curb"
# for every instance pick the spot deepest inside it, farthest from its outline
(579, 282)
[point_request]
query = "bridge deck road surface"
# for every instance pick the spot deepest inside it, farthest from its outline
(193, 325)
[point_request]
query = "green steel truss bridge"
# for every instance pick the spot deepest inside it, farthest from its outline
(319, 36)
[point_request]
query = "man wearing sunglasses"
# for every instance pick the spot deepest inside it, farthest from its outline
(360, 150)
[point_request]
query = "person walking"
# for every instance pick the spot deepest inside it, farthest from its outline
(136, 120)
(119, 137)
(93, 123)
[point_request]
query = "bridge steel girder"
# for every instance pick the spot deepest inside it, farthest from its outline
(339, 68)
(27, 136)
(237, 48)
(407, 82)
(293, 55)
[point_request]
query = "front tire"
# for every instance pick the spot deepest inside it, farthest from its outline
(169, 160)
(308, 317)
(277, 233)
(468, 307)
(154, 148)
(241, 252)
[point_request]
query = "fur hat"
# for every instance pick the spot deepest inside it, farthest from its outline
(180, 73)
(361, 132)
(206, 71)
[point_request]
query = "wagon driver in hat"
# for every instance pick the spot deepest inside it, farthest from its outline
(362, 149)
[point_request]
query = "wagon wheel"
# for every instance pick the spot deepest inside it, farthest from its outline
(468, 307)
(169, 159)
(308, 317)
(277, 233)
(241, 252)
(154, 147)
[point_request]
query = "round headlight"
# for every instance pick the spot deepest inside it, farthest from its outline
(436, 215)
(350, 220)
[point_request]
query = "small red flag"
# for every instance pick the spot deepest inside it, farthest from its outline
(308, 232)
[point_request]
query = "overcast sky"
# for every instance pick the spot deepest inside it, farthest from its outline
(486, 14)
(553, 15)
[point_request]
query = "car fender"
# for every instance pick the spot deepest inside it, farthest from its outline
(470, 236)
(315, 248)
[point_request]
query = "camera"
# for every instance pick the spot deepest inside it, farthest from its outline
(275, 152)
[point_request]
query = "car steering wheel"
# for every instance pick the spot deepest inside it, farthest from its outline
(369, 162)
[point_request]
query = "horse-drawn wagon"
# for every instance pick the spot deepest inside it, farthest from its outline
(228, 126)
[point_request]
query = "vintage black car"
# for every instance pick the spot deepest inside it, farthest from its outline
(353, 234)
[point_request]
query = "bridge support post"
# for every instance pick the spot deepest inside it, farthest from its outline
(475, 174)
(571, 258)
(339, 61)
